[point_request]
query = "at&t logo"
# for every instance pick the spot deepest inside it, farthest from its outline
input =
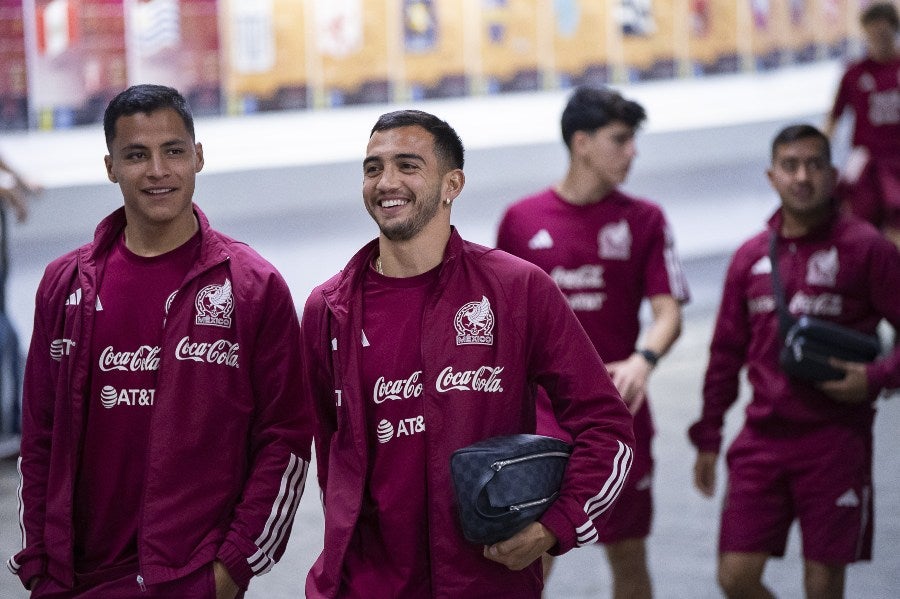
(110, 397)
(405, 428)
(60, 348)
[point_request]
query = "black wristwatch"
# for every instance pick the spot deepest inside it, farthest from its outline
(651, 356)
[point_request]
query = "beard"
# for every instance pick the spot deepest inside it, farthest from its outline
(404, 231)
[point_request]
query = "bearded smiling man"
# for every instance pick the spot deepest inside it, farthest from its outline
(413, 309)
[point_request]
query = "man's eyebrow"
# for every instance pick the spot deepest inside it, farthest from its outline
(409, 156)
(165, 144)
(401, 156)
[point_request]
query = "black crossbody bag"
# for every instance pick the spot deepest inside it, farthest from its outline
(809, 342)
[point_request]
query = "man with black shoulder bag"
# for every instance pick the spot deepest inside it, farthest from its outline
(800, 308)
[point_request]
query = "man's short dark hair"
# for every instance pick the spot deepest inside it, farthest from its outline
(797, 132)
(447, 145)
(145, 98)
(590, 108)
(881, 11)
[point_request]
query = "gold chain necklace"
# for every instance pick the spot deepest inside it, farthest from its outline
(378, 268)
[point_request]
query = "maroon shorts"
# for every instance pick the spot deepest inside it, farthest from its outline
(200, 584)
(875, 195)
(632, 514)
(821, 478)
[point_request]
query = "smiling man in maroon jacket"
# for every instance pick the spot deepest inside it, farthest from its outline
(426, 343)
(164, 444)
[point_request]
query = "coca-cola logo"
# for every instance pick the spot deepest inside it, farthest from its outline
(398, 389)
(589, 276)
(144, 358)
(485, 379)
(222, 352)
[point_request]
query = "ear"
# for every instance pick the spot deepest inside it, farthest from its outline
(454, 181)
(107, 160)
(579, 138)
(198, 148)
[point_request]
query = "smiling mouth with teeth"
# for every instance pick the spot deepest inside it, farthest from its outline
(392, 203)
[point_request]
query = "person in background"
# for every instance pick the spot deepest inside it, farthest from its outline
(16, 190)
(607, 251)
(805, 450)
(870, 89)
(164, 442)
(423, 344)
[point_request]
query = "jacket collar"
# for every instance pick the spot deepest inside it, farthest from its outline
(109, 229)
(339, 295)
(818, 233)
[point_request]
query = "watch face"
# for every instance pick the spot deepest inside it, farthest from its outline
(651, 356)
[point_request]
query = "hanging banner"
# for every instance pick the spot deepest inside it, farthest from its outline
(580, 42)
(339, 27)
(832, 19)
(155, 27)
(420, 26)
(13, 75)
(509, 45)
(713, 37)
(267, 54)
(176, 43)
(647, 33)
(770, 33)
(77, 60)
(636, 17)
(434, 42)
(356, 51)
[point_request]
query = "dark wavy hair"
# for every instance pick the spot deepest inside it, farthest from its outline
(801, 131)
(447, 145)
(881, 11)
(145, 98)
(590, 108)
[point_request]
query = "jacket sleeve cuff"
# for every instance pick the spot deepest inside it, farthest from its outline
(236, 563)
(557, 523)
(705, 438)
(30, 569)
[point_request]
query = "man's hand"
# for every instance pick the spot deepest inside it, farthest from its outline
(33, 582)
(705, 472)
(630, 378)
(523, 548)
(226, 588)
(853, 388)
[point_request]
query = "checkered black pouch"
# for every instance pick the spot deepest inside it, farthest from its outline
(503, 484)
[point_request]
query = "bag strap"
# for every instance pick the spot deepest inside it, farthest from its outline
(785, 320)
